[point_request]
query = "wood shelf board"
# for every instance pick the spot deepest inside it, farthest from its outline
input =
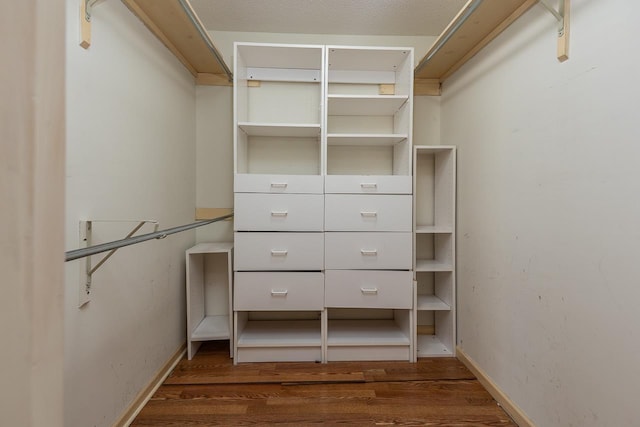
(306, 130)
(427, 87)
(280, 333)
(168, 21)
(363, 139)
(486, 22)
(363, 105)
(432, 346)
(431, 303)
(365, 333)
(433, 265)
(211, 213)
(212, 328)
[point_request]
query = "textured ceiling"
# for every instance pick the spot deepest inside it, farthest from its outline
(364, 17)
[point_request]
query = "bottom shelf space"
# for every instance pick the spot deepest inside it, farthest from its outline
(365, 332)
(367, 340)
(280, 333)
(432, 346)
(212, 328)
(279, 341)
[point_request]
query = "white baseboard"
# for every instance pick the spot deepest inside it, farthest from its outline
(143, 397)
(503, 400)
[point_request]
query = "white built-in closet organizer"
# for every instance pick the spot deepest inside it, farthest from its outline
(323, 264)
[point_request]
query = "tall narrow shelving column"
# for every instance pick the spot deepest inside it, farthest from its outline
(209, 294)
(278, 202)
(368, 279)
(434, 250)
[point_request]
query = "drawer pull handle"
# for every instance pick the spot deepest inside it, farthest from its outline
(279, 213)
(369, 252)
(369, 214)
(275, 252)
(369, 290)
(279, 293)
(278, 185)
(368, 185)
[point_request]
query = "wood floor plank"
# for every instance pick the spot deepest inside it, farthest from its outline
(209, 391)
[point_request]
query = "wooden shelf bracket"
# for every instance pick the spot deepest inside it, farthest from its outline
(562, 15)
(86, 6)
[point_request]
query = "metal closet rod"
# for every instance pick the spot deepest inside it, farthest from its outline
(450, 32)
(96, 249)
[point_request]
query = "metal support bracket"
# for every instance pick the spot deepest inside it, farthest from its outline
(86, 268)
(562, 15)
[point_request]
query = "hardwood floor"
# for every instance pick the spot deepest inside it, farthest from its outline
(210, 391)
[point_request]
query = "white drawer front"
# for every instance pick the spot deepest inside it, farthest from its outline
(367, 251)
(361, 212)
(368, 289)
(278, 212)
(262, 291)
(278, 251)
(368, 184)
(259, 183)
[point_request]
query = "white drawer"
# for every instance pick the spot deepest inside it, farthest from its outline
(260, 291)
(278, 212)
(368, 289)
(259, 183)
(278, 251)
(372, 184)
(363, 212)
(367, 251)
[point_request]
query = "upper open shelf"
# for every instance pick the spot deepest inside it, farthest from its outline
(478, 23)
(177, 26)
(473, 28)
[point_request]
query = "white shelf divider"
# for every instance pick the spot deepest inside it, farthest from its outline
(434, 229)
(364, 105)
(365, 139)
(305, 130)
(433, 265)
(431, 303)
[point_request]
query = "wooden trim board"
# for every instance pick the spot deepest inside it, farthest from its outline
(503, 400)
(211, 213)
(209, 79)
(563, 39)
(145, 395)
(428, 87)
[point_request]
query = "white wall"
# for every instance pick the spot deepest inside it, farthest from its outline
(31, 212)
(214, 162)
(215, 117)
(131, 155)
(548, 214)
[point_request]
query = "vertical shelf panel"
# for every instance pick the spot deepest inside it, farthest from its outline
(434, 250)
(369, 107)
(209, 294)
